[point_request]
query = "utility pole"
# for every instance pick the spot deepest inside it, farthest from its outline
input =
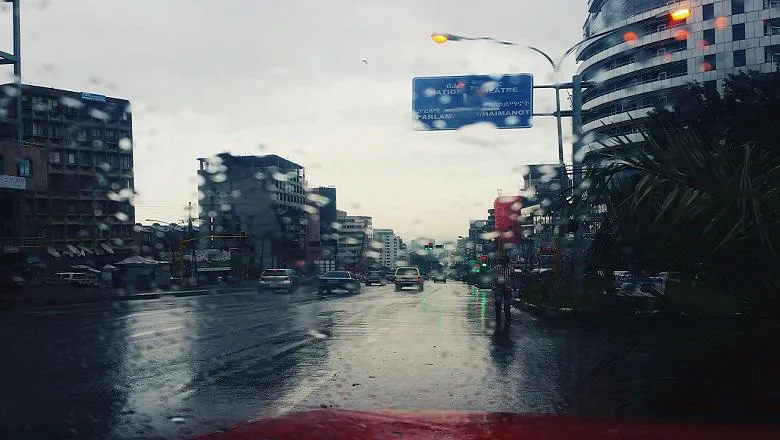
(579, 233)
(194, 265)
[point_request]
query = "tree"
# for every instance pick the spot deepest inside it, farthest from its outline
(701, 193)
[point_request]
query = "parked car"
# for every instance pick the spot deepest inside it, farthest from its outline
(338, 280)
(408, 276)
(373, 277)
(284, 280)
(72, 279)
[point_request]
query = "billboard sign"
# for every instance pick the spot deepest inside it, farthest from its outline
(507, 217)
(92, 97)
(452, 102)
(12, 182)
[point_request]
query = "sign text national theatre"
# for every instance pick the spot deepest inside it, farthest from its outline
(451, 102)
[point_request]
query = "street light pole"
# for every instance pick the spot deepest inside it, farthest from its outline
(194, 265)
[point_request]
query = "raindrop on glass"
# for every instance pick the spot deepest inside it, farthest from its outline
(125, 144)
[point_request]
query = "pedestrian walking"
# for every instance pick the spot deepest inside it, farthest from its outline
(502, 287)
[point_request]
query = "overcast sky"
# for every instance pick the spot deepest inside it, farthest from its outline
(288, 78)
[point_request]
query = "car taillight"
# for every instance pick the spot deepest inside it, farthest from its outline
(287, 280)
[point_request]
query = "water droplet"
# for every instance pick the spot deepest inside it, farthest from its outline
(318, 335)
(98, 114)
(318, 199)
(125, 144)
(219, 178)
(121, 216)
(178, 419)
(281, 177)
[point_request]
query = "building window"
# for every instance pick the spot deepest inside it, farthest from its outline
(771, 4)
(738, 32)
(24, 168)
(737, 6)
(771, 27)
(125, 162)
(2, 166)
(38, 129)
(709, 63)
(54, 156)
(661, 76)
(72, 158)
(709, 36)
(94, 132)
(708, 11)
(739, 58)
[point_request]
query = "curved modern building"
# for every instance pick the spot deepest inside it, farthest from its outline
(641, 52)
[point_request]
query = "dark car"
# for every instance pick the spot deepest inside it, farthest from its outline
(373, 277)
(283, 280)
(439, 277)
(338, 280)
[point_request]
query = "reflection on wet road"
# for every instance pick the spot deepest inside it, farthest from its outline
(172, 367)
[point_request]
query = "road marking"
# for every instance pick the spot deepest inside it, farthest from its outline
(303, 391)
(156, 331)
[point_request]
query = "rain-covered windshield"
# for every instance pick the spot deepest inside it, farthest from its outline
(213, 212)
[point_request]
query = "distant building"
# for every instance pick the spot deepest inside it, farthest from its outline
(390, 247)
(256, 203)
(69, 184)
(355, 236)
(328, 222)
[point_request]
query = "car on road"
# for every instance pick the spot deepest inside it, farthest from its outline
(439, 277)
(284, 280)
(72, 279)
(373, 277)
(408, 276)
(338, 280)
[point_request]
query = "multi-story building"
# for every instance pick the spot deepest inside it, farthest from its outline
(328, 214)
(650, 49)
(390, 247)
(257, 203)
(71, 178)
(355, 236)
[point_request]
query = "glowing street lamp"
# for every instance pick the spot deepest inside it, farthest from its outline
(440, 38)
(680, 14)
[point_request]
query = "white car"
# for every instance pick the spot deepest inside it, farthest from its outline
(408, 276)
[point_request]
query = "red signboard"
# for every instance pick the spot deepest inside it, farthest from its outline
(507, 215)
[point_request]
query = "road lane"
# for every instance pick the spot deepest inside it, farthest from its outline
(178, 366)
(437, 350)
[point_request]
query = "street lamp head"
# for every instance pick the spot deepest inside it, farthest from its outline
(680, 14)
(440, 38)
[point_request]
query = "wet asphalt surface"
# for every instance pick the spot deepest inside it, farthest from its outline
(181, 366)
(174, 367)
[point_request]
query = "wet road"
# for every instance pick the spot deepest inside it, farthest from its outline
(176, 366)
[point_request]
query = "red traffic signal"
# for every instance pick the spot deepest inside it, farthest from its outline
(484, 258)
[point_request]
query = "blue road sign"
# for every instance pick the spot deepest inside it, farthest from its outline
(451, 102)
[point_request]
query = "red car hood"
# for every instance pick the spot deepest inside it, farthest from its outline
(370, 425)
